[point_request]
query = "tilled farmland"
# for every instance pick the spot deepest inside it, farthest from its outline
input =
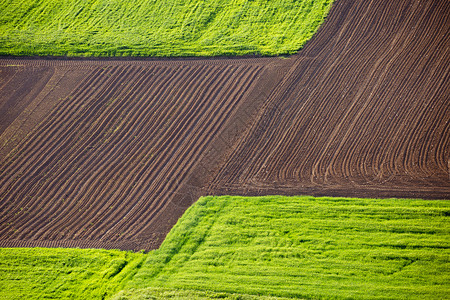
(110, 153)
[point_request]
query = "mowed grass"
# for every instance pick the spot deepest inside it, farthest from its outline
(41, 273)
(158, 27)
(302, 247)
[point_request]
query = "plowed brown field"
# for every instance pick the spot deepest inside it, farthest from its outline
(110, 153)
(365, 110)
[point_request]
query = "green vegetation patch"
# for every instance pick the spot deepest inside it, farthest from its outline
(161, 293)
(302, 247)
(258, 248)
(41, 273)
(158, 27)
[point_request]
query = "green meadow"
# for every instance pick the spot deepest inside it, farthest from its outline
(305, 247)
(42, 273)
(271, 247)
(158, 28)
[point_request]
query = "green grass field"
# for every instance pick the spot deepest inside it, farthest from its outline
(259, 248)
(158, 27)
(304, 247)
(41, 273)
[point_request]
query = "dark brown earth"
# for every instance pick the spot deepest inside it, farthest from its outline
(110, 153)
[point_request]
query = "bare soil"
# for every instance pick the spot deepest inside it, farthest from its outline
(110, 153)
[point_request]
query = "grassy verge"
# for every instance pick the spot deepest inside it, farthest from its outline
(41, 273)
(158, 28)
(302, 247)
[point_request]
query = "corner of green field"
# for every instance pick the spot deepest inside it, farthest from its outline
(183, 240)
(301, 247)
